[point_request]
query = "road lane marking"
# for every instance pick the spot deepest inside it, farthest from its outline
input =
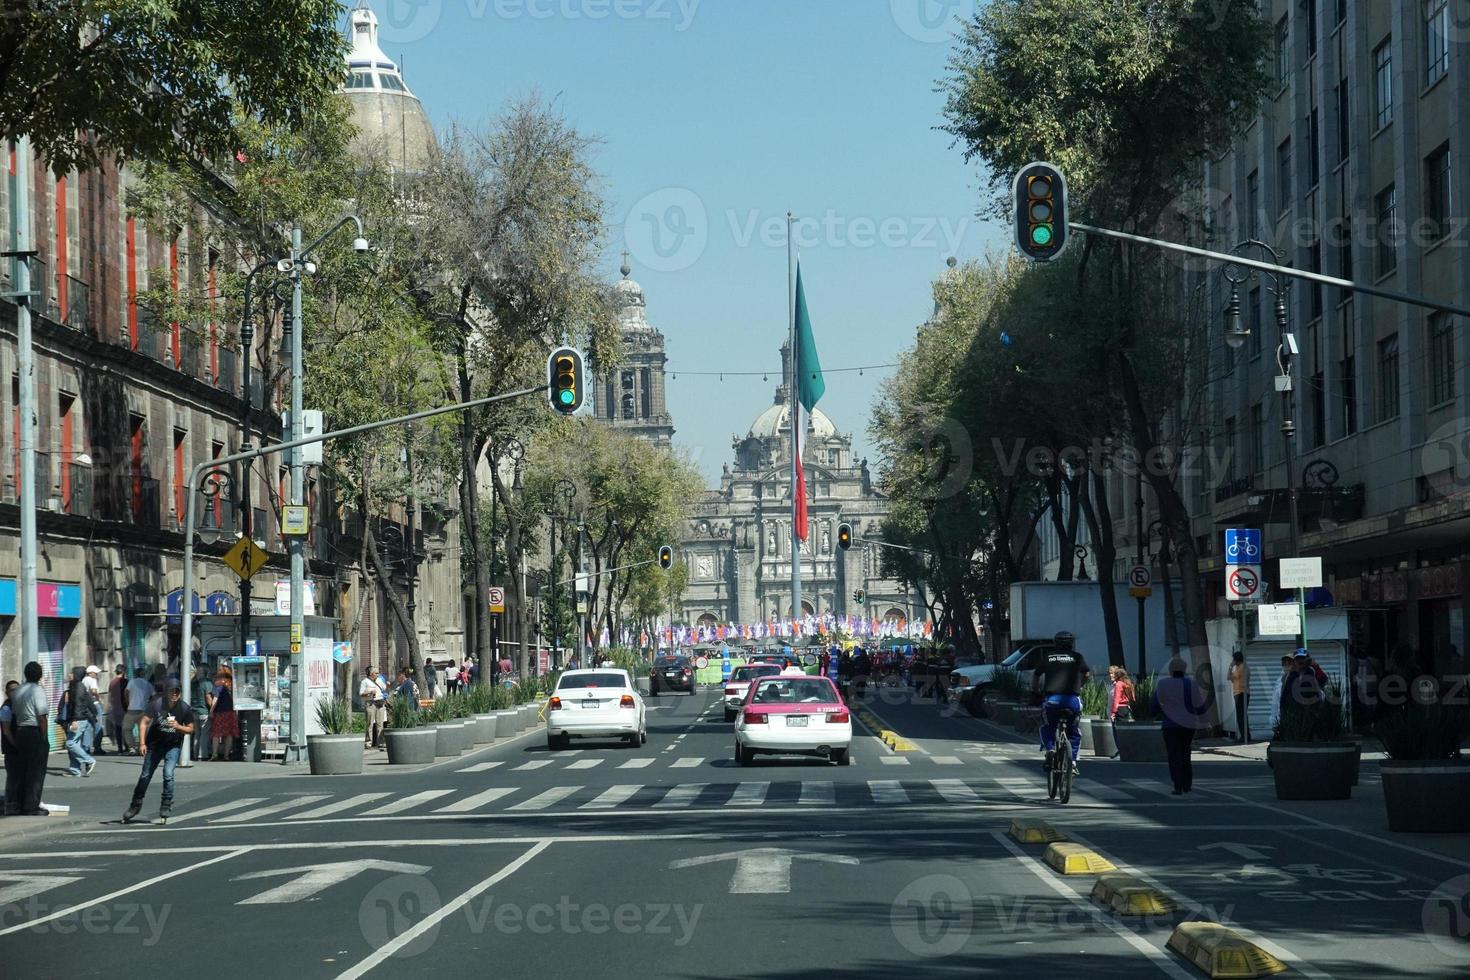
(818, 793)
(73, 909)
(893, 760)
(613, 796)
(1102, 792)
(543, 800)
(222, 808)
(1159, 958)
(337, 807)
(1022, 788)
(887, 791)
(682, 795)
(478, 800)
(480, 767)
(266, 811)
(954, 790)
(432, 920)
(637, 763)
(407, 803)
(313, 878)
(687, 762)
(748, 794)
(761, 870)
(533, 764)
(586, 764)
(946, 760)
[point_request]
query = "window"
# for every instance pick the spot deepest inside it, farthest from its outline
(360, 79)
(1253, 203)
(1437, 192)
(1255, 321)
(1311, 6)
(1436, 39)
(1258, 438)
(1383, 83)
(1388, 377)
(1283, 176)
(1347, 375)
(180, 475)
(1344, 121)
(391, 83)
(215, 512)
(1317, 387)
(1386, 241)
(646, 390)
(1314, 153)
(1440, 354)
(1230, 450)
(1283, 50)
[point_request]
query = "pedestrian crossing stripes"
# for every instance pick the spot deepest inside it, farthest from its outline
(637, 763)
(686, 762)
(894, 760)
(533, 764)
(736, 794)
(481, 767)
(946, 760)
(585, 764)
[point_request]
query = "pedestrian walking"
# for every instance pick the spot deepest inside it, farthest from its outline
(29, 710)
(1177, 703)
(117, 707)
(224, 723)
(472, 674)
(374, 700)
(451, 677)
(93, 672)
(81, 723)
(464, 674)
(1239, 675)
(167, 720)
(10, 749)
(1120, 701)
(1278, 691)
(139, 693)
(431, 678)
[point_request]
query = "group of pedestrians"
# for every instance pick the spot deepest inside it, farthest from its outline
(454, 676)
(375, 692)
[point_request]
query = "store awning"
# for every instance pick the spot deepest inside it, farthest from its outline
(54, 600)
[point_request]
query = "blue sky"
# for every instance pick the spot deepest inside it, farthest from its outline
(717, 117)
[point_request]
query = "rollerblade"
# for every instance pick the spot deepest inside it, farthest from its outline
(165, 811)
(132, 811)
(1047, 763)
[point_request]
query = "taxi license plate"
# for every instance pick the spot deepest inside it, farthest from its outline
(796, 721)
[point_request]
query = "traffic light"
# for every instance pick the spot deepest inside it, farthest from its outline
(1041, 211)
(859, 596)
(564, 375)
(844, 536)
(665, 557)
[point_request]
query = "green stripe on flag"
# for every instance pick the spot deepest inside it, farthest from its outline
(810, 385)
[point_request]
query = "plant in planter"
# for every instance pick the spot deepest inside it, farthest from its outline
(338, 750)
(1426, 782)
(1094, 708)
(1139, 737)
(1310, 758)
(408, 741)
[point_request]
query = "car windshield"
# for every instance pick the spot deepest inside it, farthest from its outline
(570, 682)
(1014, 658)
(662, 662)
(751, 673)
(795, 691)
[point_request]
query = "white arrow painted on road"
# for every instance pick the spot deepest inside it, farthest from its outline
(28, 883)
(1242, 851)
(316, 877)
(762, 870)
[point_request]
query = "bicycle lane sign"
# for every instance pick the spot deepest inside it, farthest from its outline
(1243, 546)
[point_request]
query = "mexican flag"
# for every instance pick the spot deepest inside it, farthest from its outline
(810, 386)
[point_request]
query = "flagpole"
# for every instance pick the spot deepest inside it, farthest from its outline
(795, 421)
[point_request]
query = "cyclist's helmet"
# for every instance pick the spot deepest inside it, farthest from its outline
(1064, 640)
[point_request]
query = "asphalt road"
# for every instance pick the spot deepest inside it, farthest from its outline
(671, 860)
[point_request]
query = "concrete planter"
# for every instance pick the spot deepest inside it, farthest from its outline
(531, 708)
(1004, 712)
(410, 746)
(1313, 770)
(642, 684)
(1104, 746)
(507, 722)
(334, 755)
(1431, 797)
(1085, 724)
(485, 728)
(451, 738)
(1140, 741)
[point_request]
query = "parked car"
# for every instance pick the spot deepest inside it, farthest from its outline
(793, 713)
(672, 673)
(595, 704)
(970, 686)
(739, 683)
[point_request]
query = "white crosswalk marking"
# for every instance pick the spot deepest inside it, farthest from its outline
(543, 800)
(533, 764)
(687, 762)
(480, 767)
(946, 760)
(477, 800)
(337, 806)
(1094, 788)
(994, 760)
(817, 793)
(612, 796)
(215, 810)
(954, 790)
(585, 764)
(407, 802)
(1021, 788)
(682, 795)
(894, 760)
(274, 808)
(887, 791)
(748, 794)
(637, 763)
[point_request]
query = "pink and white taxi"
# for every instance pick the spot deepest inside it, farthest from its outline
(793, 713)
(739, 684)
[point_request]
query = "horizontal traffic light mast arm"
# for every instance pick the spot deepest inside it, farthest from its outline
(1413, 299)
(890, 544)
(606, 571)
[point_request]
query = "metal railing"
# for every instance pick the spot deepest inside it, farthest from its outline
(226, 374)
(79, 485)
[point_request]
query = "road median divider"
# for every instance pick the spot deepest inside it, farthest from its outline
(886, 735)
(1127, 895)
(1030, 830)
(1221, 953)
(1074, 859)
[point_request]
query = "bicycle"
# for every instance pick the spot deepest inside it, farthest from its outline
(1059, 776)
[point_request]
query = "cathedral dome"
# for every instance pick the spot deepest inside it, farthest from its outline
(390, 120)
(629, 302)
(772, 422)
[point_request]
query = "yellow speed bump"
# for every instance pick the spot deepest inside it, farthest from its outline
(1222, 953)
(1029, 830)
(1074, 859)
(1127, 895)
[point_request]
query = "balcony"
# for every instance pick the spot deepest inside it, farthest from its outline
(148, 339)
(144, 502)
(227, 374)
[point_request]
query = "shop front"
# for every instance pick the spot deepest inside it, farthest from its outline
(58, 609)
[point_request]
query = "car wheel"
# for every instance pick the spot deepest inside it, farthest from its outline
(975, 703)
(729, 715)
(843, 757)
(743, 755)
(554, 742)
(643, 737)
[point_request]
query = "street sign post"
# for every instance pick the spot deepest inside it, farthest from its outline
(1301, 574)
(294, 521)
(497, 599)
(1276, 619)
(1243, 546)
(1242, 583)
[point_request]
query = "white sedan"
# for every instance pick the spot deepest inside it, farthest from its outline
(793, 714)
(599, 703)
(739, 683)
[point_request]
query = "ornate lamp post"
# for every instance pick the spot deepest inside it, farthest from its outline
(565, 491)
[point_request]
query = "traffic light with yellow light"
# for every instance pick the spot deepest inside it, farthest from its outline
(665, 557)
(564, 376)
(1041, 211)
(844, 536)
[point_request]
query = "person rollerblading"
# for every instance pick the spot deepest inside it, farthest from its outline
(162, 729)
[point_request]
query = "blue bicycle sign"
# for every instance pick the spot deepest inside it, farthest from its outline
(1243, 546)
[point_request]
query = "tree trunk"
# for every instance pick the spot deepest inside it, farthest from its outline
(1065, 537)
(1094, 500)
(395, 603)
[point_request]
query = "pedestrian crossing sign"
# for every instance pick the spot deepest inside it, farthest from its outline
(245, 558)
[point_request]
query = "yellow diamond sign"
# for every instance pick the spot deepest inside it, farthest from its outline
(246, 558)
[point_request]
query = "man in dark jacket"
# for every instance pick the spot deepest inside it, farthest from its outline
(161, 731)
(1177, 702)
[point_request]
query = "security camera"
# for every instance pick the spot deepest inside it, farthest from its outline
(1290, 342)
(311, 268)
(283, 265)
(361, 245)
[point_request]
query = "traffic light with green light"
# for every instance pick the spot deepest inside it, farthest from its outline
(844, 536)
(665, 557)
(1041, 211)
(860, 596)
(564, 377)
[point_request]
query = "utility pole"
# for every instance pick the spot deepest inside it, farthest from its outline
(296, 751)
(1138, 532)
(27, 491)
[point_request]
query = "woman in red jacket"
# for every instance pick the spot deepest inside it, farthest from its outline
(1122, 699)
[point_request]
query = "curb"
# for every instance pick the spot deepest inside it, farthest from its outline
(879, 727)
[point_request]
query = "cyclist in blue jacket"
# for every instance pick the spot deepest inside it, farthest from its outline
(1059, 679)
